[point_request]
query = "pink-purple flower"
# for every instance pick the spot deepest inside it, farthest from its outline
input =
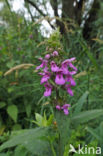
(58, 107)
(67, 63)
(70, 79)
(48, 89)
(55, 53)
(61, 73)
(47, 56)
(64, 68)
(59, 78)
(54, 67)
(44, 64)
(46, 77)
(64, 108)
(69, 90)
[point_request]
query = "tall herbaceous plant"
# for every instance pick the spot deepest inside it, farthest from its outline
(57, 73)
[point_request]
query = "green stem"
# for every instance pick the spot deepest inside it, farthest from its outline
(52, 148)
(57, 95)
(88, 88)
(60, 153)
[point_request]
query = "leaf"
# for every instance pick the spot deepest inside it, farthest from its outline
(89, 54)
(10, 90)
(101, 130)
(28, 110)
(40, 99)
(66, 150)
(4, 154)
(93, 132)
(1, 73)
(21, 151)
(87, 116)
(50, 120)
(32, 140)
(2, 104)
(10, 64)
(39, 119)
(91, 57)
(44, 121)
(80, 102)
(2, 128)
(16, 127)
(12, 110)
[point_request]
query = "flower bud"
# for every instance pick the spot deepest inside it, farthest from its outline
(55, 53)
(47, 56)
(47, 48)
(50, 49)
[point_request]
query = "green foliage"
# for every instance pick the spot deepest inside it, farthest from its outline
(81, 101)
(21, 94)
(12, 110)
(18, 90)
(86, 116)
(30, 139)
(42, 121)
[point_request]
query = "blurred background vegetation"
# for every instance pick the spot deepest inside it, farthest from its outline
(22, 38)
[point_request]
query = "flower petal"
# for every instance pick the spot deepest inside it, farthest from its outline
(47, 92)
(72, 72)
(69, 60)
(55, 53)
(59, 79)
(66, 112)
(44, 79)
(65, 106)
(72, 66)
(71, 80)
(47, 56)
(69, 90)
(54, 67)
(58, 107)
(48, 89)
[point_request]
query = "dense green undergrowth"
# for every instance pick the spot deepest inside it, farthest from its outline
(48, 132)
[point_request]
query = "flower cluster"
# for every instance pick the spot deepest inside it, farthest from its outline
(64, 108)
(60, 73)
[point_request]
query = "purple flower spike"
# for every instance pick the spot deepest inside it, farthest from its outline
(45, 77)
(58, 107)
(69, 90)
(48, 90)
(65, 109)
(55, 53)
(54, 67)
(59, 78)
(47, 56)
